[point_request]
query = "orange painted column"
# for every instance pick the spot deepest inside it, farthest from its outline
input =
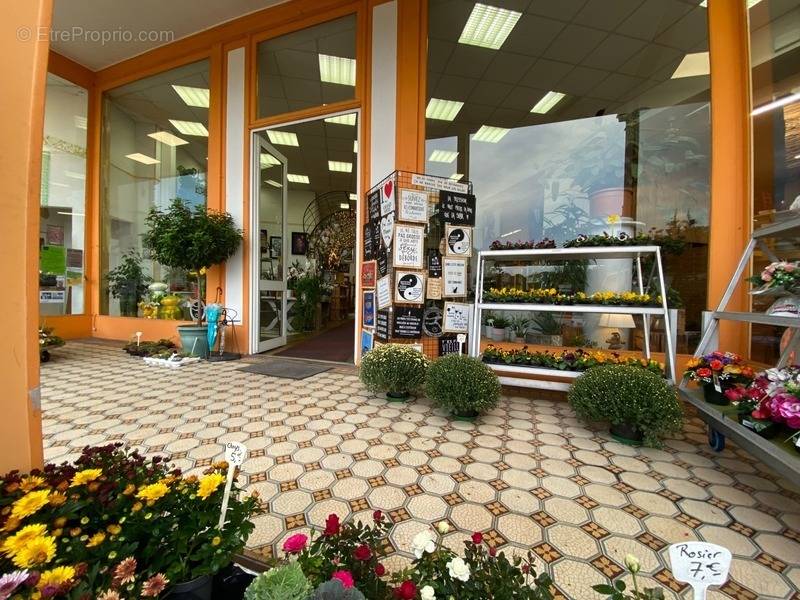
(412, 57)
(21, 121)
(731, 184)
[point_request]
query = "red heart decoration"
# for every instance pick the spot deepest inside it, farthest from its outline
(387, 188)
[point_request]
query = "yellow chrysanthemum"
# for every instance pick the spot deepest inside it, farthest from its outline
(56, 577)
(85, 476)
(31, 482)
(153, 492)
(114, 529)
(12, 545)
(209, 484)
(38, 551)
(29, 504)
(97, 539)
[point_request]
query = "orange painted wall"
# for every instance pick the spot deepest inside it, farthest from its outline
(21, 122)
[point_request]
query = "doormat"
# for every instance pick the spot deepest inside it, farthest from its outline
(288, 369)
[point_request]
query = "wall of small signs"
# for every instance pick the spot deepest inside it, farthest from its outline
(416, 254)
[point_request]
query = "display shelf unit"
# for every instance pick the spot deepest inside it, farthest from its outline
(722, 422)
(531, 377)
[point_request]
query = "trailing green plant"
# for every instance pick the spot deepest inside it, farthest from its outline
(393, 368)
(285, 582)
(148, 348)
(128, 282)
(622, 394)
(307, 286)
(191, 239)
(462, 384)
(335, 590)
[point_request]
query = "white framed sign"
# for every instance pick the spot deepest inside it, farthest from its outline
(409, 287)
(412, 206)
(454, 276)
(456, 317)
(458, 240)
(408, 251)
(383, 292)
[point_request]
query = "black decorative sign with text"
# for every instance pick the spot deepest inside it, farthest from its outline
(369, 242)
(374, 206)
(407, 323)
(434, 263)
(382, 325)
(457, 208)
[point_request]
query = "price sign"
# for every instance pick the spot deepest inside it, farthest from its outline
(235, 453)
(700, 564)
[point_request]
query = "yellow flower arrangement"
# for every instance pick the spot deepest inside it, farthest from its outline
(153, 492)
(29, 504)
(209, 484)
(97, 539)
(13, 544)
(30, 483)
(114, 529)
(38, 551)
(85, 476)
(56, 577)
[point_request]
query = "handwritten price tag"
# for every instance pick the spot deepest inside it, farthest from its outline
(700, 564)
(235, 453)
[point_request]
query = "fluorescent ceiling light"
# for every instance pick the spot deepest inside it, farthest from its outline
(489, 134)
(343, 167)
(192, 96)
(488, 26)
(142, 158)
(693, 65)
(190, 127)
(75, 175)
(442, 110)
(165, 137)
(443, 156)
(273, 183)
(282, 138)
(336, 69)
(510, 233)
(456, 176)
(776, 103)
(80, 122)
(297, 178)
(267, 160)
(70, 214)
(353, 197)
(547, 103)
(348, 119)
(344, 205)
(355, 146)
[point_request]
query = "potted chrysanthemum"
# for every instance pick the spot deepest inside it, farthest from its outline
(396, 369)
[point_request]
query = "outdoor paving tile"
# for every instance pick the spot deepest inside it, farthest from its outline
(529, 475)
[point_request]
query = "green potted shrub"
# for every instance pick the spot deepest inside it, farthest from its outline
(128, 282)
(462, 384)
(396, 369)
(498, 329)
(193, 240)
(640, 405)
(545, 329)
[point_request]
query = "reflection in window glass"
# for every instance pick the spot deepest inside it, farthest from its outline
(775, 60)
(306, 68)
(586, 111)
(154, 149)
(63, 199)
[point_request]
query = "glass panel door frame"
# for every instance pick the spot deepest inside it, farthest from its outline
(257, 285)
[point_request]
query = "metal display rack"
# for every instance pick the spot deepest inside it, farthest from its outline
(721, 420)
(521, 375)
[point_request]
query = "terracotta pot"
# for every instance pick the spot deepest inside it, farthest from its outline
(611, 201)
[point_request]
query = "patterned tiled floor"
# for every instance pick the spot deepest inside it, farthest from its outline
(529, 473)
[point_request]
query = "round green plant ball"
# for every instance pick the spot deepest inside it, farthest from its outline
(462, 384)
(393, 368)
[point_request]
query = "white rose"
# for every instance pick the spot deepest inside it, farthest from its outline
(443, 527)
(458, 569)
(423, 542)
(427, 593)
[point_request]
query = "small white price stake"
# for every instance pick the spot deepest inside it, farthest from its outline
(461, 338)
(138, 338)
(700, 565)
(235, 453)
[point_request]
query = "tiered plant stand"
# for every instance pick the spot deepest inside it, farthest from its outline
(722, 422)
(532, 377)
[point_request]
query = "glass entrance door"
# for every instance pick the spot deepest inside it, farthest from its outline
(268, 300)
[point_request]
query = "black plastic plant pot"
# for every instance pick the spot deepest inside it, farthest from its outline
(397, 396)
(465, 415)
(764, 428)
(199, 588)
(627, 433)
(713, 396)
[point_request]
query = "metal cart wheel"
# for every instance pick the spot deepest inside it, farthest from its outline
(44, 356)
(715, 439)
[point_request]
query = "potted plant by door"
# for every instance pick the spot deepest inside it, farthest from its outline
(396, 369)
(462, 384)
(128, 282)
(192, 240)
(640, 406)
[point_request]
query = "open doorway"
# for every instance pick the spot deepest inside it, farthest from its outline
(304, 275)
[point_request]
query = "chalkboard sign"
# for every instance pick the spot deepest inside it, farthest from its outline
(448, 344)
(382, 325)
(382, 261)
(407, 323)
(432, 321)
(457, 208)
(374, 205)
(434, 264)
(369, 241)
